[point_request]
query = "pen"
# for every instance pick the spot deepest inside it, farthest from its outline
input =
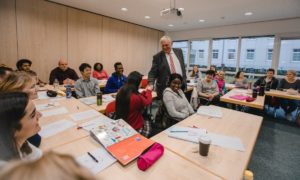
(77, 107)
(93, 157)
(178, 131)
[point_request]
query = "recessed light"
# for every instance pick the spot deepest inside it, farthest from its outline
(124, 9)
(147, 17)
(248, 13)
(181, 9)
(170, 25)
(201, 20)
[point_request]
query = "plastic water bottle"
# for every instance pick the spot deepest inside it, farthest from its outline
(68, 91)
(55, 84)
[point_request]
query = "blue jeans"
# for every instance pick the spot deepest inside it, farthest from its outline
(289, 105)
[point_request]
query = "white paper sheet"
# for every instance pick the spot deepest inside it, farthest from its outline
(192, 135)
(96, 122)
(53, 112)
(212, 111)
(84, 115)
(89, 100)
(226, 141)
(41, 107)
(56, 127)
(103, 157)
(43, 95)
(107, 98)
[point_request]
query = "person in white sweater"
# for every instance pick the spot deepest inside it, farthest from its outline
(174, 99)
(18, 121)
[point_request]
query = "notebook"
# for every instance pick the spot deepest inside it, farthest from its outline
(121, 140)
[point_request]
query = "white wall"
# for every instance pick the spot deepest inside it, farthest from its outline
(289, 27)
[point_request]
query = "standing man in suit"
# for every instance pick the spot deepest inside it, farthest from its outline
(166, 62)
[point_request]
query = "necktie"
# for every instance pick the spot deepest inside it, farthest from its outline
(172, 64)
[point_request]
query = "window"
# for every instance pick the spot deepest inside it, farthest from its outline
(199, 53)
(220, 54)
(215, 53)
(183, 45)
(231, 53)
(270, 54)
(296, 54)
(253, 57)
(289, 56)
(250, 54)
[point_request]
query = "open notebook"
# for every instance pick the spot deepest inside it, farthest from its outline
(121, 140)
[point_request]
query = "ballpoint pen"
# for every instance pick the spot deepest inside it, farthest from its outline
(93, 157)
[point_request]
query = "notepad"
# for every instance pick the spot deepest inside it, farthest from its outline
(41, 107)
(56, 127)
(212, 111)
(54, 112)
(84, 115)
(103, 157)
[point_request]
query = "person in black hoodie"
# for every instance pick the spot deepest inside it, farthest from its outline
(269, 81)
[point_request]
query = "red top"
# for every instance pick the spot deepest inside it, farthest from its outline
(137, 104)
(101, 75)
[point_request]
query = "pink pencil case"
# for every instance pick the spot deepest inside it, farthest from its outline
(147, 159)
(239, 97)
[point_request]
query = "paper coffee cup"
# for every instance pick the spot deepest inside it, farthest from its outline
(204, 143)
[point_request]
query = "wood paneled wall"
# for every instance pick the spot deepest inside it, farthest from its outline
(44, 32)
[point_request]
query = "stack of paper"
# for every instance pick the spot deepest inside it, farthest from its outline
(212, 111)
(41, 107)
(102, 156)
(55, 128)
(89, 100)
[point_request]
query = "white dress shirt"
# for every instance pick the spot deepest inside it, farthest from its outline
(175, 61)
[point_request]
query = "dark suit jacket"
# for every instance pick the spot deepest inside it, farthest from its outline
(160, 71)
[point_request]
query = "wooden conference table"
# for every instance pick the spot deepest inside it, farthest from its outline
(225, 163)
(258, 103)
(179, 168)
(282, 94)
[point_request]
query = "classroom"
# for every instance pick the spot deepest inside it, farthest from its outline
(167, 89)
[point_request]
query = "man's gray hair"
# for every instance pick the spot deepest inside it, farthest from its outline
(165, 38)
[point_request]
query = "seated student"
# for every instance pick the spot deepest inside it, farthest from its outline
(49, 167)
(4, 70)
(21, 82)
(268, 80)
(130, 103)
(240, 80)
(99, 73)
(86, 86)
(195, 73)
(213, 68)
(18, 121)
(25, 65)
(174, 99)
(208, 89)
(290, 82)
(221, 82)
(63, 74)
(116, 80)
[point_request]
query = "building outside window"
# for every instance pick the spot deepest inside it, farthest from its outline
(250, 54)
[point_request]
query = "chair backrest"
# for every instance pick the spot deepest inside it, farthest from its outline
(144, 83)
(110, 108)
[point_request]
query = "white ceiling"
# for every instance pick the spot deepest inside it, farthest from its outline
(210, 10)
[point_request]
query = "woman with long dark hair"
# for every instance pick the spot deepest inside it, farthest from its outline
(130, 103)
(18, 122)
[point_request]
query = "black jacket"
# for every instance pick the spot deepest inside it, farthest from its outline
(160, 71)
(273, 83)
